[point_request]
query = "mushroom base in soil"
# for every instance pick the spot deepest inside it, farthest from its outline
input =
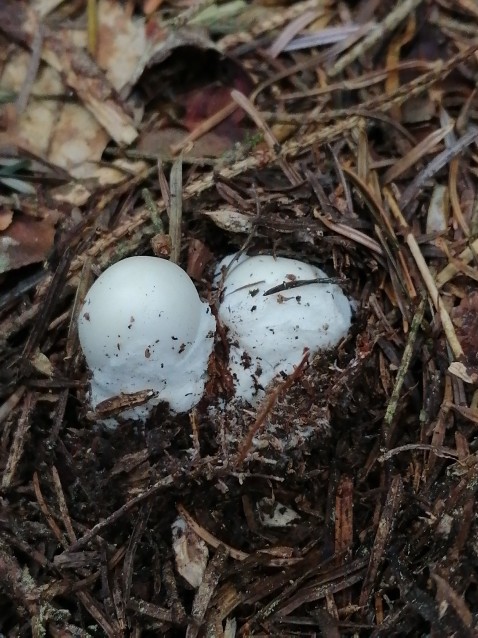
(275, 309)
(143, 327)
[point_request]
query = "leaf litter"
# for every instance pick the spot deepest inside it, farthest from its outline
(343, 134)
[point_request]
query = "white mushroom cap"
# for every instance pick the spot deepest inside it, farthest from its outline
(269, 333)
(142, 327)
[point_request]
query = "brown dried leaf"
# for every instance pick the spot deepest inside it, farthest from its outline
(26, 241)
(159, 143)
(71, 134)
(121, 42)
(6, 216)
(199, 256)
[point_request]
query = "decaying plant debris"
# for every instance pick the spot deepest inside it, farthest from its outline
(342, 133)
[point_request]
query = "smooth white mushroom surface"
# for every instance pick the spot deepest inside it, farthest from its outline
(269, 333)
(144, 327)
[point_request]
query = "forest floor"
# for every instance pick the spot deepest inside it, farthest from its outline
(340, 133)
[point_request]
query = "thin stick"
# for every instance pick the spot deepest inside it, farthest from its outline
(444, 452)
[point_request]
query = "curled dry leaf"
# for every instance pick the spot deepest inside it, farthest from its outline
(230, 219)
(42, 364)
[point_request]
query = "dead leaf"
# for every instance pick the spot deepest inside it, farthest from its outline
(42, 364)
(25, 241)
(230, 219)
(74, 133)
(6, 216)
(158, 142)
(199, 256)
(121, 42)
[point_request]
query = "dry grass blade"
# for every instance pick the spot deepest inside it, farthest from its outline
(366, 80)
(269, 137)
(402, 372)
(412, 157)
(469, 413)
(380, 216)
(400, 275)
(326, 580)
(399, 13)
(398, 42)
(441, 160)
(315, 61)
(45, 510)
(427, 277)
(351, 233)
(244, 102)
(452, 269)
(291, 30)
(189, 14)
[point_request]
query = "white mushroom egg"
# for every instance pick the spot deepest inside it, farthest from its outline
(144, 327)
(270, 331)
